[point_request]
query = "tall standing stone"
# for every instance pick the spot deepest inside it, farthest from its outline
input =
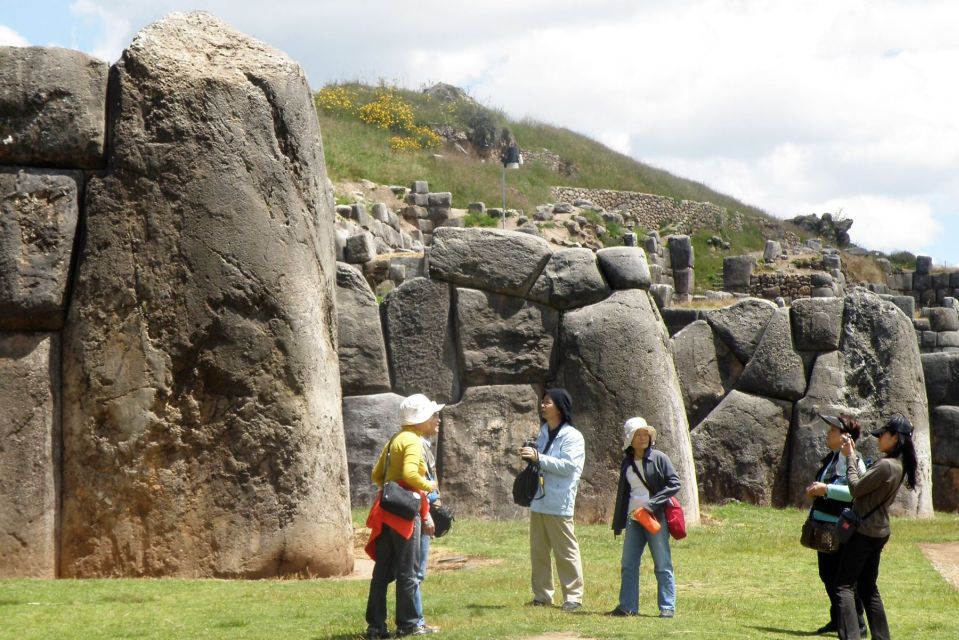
(419, 340)
(368, 422)
(362, 351)
(203, 432)
(29, 454)
(616, 364)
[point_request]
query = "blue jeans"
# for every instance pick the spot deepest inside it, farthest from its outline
(395, 561)
(421, 576)
(636, 540)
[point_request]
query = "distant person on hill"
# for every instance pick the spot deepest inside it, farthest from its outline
(831, 495)
(647, 480)
(872, 494)
(560, 452)
(394, 542)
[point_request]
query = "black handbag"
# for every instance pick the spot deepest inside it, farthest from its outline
(442, 520)
(818, 535)
(396, 499)
(849, 520)
(526, 485)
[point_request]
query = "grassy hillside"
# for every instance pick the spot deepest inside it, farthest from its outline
(356, 149)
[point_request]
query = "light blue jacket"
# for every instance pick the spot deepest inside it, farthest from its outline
(562, 468)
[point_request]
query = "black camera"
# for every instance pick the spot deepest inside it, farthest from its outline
(529, 442)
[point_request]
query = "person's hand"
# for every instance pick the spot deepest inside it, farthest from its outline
(428, 527)
(529, 453)
(816, 489)
(848, 446)
(438, 502)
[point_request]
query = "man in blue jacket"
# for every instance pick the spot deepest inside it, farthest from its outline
(560, 452)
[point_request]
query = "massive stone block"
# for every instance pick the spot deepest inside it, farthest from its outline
(203, 432)
(53, 106)
(616, 364)
(479, 437)
(776, 369)
(944, 436)
(741, 325)
(570, 279)
(368, 422)
(817, 323)
(941, 376)
(503, 339)
(884, 376)
(624, 267)
(740, 450)
(38, 222)
(29, 454)
(706, 369)
(362, 351)
(945, 487)
(419, 340)
(490, 259)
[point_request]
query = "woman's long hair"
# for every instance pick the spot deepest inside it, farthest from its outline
(906, 451)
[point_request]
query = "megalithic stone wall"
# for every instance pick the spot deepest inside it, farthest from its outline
(52, 129)
(202, 431)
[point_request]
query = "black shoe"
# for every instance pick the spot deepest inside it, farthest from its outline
(863, 632)
(570, 607)
(538, 603)
(667, 613)
(829, 627)
(421, 630)
(373, 633)
(618, 612)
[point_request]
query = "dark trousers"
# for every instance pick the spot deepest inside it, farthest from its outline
(858, 571)
(828, 571)
(396, 559)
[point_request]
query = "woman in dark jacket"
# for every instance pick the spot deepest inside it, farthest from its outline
(646, 481)
(831, 495)
(872, 494)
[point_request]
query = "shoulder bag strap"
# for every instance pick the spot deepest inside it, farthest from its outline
(642, 478)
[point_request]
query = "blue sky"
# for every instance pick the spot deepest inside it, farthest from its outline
(825, 105)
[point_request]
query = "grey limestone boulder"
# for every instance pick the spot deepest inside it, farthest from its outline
(680, 252)
(29, 454)
(479, 437)
(360, 248)
(736, 273)
(624, 267)
(941, 373)
(944, 436)
(772, 250)
(361, 350)
(368, 422)
(884, 375)
(662, 294)
(616, 363)
(419, 338)
(684, 280)
(38, 223)
(923, 265)
(943, 319)
(817, 323)
(740, 449)
(202, 431)
(776, 369)
(53, 103)
(706, 369)
(570, 279)
(488, 259)
(945, 487)
(503, 339)
(741, 325)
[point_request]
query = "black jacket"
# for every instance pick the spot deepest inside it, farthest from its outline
(661, 477)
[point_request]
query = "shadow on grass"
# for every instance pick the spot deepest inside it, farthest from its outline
(481, 607)
(786, 632)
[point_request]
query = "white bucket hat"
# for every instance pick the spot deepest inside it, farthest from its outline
(417, 409)
(632, 426)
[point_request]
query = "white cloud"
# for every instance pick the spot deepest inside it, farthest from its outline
(113, 30)
(10, 38)
(884, 223)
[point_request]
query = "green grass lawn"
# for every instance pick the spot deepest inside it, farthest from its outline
(743, 575)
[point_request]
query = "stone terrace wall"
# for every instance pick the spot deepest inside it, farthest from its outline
(652, 211)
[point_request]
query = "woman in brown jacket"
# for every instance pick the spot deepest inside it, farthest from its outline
(872, 493)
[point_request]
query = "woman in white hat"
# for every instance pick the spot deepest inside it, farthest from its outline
(647, 480)
(394, 543)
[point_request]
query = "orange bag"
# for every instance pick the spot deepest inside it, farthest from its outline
(648, 520)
